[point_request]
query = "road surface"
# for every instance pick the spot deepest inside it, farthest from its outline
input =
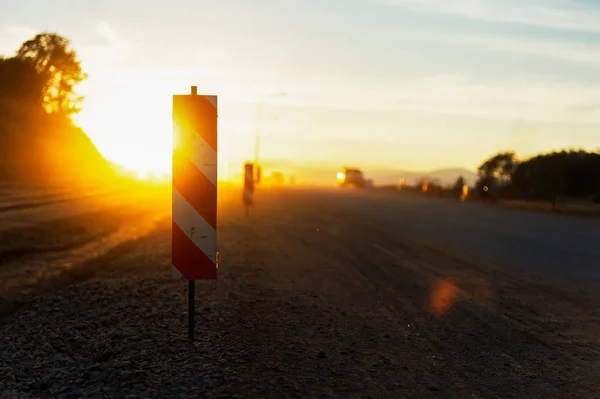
(320, 294)
(553, 246)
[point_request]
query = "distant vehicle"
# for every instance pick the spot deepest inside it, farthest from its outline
(351, 177)
(277, 178)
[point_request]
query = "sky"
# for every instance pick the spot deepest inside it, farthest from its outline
(378, 84)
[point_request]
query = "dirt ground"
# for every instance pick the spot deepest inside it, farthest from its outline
(309, 303)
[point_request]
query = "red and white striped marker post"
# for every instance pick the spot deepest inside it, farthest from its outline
(248, 195)
(194, 244)
(258, 174)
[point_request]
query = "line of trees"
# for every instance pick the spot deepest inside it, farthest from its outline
(38, 139)
(573, 173)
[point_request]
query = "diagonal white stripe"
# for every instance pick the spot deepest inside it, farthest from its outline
(212, 100)
(249, 195)
(204, 158)
(175, 273)
(195, 227)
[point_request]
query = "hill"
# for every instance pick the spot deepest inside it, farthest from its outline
(62, 153)
(446, 177)
(38, 140)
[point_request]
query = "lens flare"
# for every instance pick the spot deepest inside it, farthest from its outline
(443, 297)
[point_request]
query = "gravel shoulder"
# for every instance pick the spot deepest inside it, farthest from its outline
(309, 303)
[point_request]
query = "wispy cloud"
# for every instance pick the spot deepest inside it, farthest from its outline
(555, 14)
(450, 94)
(559, 50)
(201, 54)
(522, 98)
(112, 50)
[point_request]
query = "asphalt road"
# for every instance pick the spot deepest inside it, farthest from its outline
(321, 293)
(553, 246)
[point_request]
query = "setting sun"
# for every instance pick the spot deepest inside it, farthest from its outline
(133, 130)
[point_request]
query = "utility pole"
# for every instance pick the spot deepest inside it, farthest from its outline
(257, 142)
(257, 145)
(258, 127)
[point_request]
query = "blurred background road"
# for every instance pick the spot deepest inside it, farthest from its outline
(554, 246)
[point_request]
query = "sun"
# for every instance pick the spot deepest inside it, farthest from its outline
(132, 129)
(132, 126)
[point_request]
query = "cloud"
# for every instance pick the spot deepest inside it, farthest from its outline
(200, 54)
(113, 50)
(554, 14)
(106, 31)
(559, 50)
(453, 94)
(524, 99)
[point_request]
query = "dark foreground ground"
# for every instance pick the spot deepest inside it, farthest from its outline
(313, 300)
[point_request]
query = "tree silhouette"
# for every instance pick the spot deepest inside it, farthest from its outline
(20, 82)
(498, 168)
(55, 61)
(21, 106)
(38, 140)
(544, 176)
(458, 185)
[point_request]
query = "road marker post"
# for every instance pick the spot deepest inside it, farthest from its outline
(248, 194)
(258, 174)
(465, 193)
(401, 184)
(194, 202)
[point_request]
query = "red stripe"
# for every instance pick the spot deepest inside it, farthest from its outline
(248, 184)
(196, 189)
(191, 262)
(249, 177)
(196, 113)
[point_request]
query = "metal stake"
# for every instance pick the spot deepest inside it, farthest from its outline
(191, 310)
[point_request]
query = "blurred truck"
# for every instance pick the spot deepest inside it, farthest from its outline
(277, 178)
(351, 177)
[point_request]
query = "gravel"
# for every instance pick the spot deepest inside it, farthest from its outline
(108, 339)
(308, 312)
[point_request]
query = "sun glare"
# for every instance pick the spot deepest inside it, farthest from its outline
(133, 130)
